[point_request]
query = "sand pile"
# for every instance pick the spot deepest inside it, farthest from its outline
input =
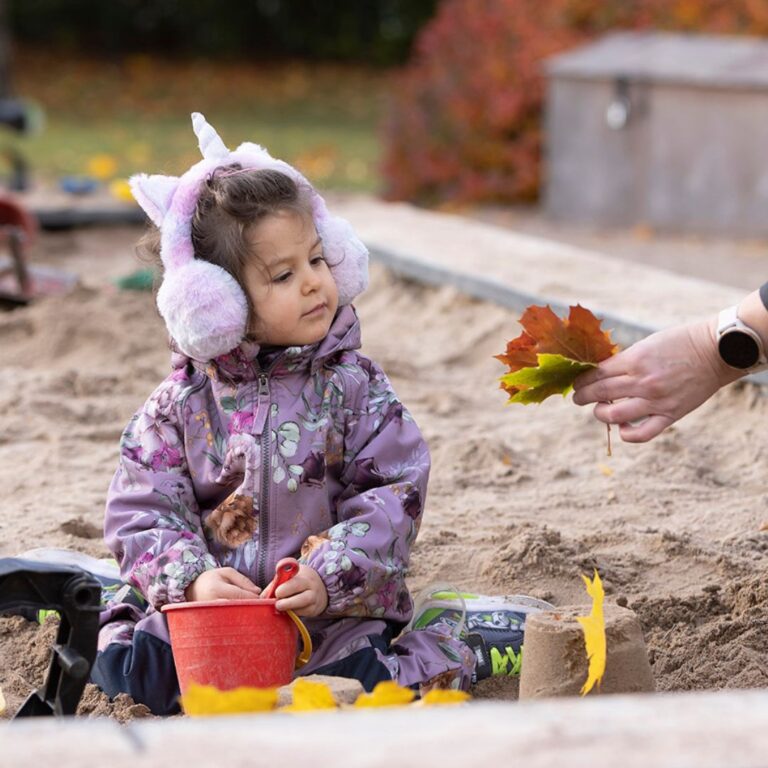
(522, 499)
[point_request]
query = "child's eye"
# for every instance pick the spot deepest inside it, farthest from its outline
(317, 259)
(282, 278)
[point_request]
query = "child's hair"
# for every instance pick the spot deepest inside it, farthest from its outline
(231, 200)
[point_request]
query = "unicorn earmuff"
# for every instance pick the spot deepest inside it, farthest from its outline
(204, 308)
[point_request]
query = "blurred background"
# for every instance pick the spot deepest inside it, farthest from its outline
(117, 80)
(434, 102)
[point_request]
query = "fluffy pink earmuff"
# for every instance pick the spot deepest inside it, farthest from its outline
(204, 308)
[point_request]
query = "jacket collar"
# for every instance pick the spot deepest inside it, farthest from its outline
(248, 361)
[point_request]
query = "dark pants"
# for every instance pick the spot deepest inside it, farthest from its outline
(145, 671)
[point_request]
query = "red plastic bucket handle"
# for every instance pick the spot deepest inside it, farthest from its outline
(306, 640)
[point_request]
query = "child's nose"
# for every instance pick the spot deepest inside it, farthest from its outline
(311, 281)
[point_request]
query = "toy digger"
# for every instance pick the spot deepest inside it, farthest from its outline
(27, 586)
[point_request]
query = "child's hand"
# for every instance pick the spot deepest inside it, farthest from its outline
(221, 584)
(305, 593)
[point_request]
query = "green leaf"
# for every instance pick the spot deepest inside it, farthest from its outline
(553, 375)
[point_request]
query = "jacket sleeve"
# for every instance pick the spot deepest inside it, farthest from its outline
(363, 558)
(152, 522)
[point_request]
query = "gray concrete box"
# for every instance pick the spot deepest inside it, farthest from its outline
(660, 129)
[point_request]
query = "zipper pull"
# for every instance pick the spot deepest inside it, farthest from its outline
(262, 405)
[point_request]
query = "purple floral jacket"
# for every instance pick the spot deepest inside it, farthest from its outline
(304, 451)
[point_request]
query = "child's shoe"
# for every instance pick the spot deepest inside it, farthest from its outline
(493, 627)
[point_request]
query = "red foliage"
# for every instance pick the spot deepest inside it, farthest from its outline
(465, 116)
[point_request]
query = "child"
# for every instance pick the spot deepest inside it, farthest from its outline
(273, 437)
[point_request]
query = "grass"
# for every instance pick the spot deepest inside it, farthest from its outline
(324, 119)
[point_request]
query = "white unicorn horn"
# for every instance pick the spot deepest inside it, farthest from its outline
(211, 145)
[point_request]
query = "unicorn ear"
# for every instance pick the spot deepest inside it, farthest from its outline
(154, 193)
(211, 145)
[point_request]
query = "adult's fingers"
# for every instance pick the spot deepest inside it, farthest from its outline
(604, 390)
(623, 411)
(617, 365)
(645, 431)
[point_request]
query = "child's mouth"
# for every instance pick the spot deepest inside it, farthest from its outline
(318, 310)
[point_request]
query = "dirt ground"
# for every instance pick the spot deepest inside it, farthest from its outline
(522, 499)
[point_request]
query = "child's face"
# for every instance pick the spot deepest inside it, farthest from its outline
(291, 287)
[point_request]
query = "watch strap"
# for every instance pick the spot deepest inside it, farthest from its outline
(729, 319)
(764, 294)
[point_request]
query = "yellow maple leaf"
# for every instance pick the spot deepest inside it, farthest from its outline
(442, 696)
(208, 700)
(594, 633)
(309, 696)
(2, 702)
(386, 694)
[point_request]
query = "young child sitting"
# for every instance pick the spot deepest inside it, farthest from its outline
(272, 437)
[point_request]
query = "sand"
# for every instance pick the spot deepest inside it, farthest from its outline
(522, 498)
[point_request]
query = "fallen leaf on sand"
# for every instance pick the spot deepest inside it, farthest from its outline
(386, 694)
(443, 696)
(309, 696)
(207, 700)
(594, 634)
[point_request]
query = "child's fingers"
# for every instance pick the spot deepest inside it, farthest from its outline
(227, 591)
(237, 579)
(297, 603)
(293, 586)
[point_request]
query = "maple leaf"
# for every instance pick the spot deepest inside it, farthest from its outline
(309, 696)
(551, 352)
(442, 697)
(209, 700)
(553, 375)
(2, 702)
(594, 634)
(386, 694)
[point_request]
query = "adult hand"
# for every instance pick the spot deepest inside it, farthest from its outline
(304, 594)
(657, 381)
(221, 584)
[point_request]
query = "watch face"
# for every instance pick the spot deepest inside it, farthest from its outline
(738, 349)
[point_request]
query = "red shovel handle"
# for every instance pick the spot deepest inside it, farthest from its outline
(286, 570)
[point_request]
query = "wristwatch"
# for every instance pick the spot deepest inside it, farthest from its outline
(739, 345)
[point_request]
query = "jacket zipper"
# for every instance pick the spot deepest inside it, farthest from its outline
(264, 402)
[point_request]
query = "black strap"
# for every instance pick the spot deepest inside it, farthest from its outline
(764, 294)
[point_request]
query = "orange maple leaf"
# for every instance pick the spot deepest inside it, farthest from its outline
(578, 338)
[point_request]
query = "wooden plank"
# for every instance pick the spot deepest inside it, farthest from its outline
(701, 730)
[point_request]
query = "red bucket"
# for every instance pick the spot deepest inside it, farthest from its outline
(233, 643)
